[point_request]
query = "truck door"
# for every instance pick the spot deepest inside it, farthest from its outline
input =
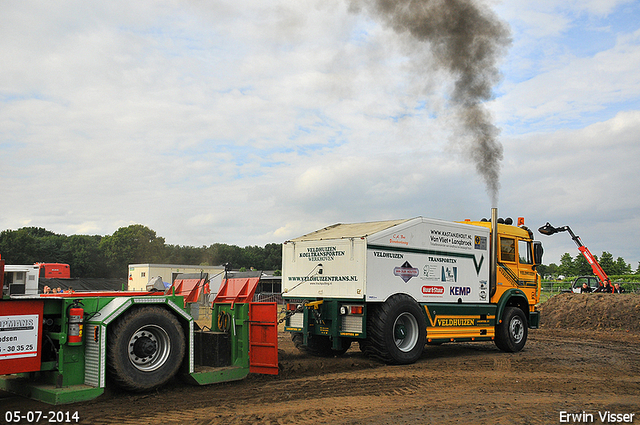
(508, 260)
(516, 258)
(527, 275)
(525, 260)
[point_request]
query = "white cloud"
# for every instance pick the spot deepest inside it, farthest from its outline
(585, 179)
(250, 123)
(575, 87)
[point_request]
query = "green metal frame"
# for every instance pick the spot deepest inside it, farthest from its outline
(239, 342)
(79, 371)
(331, 325)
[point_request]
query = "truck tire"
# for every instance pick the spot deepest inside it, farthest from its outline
(146, 347)
(511, 333)
(396, 331)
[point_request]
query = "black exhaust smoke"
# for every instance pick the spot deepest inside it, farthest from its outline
(466, 40)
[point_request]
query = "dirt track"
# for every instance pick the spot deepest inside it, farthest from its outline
(458, 383)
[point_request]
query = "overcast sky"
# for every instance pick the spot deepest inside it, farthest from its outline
(252, 122)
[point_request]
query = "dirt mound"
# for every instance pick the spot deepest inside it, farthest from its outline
(592, 311)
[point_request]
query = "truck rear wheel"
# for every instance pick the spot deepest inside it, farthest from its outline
(511, 333)
(396, 331)
(146, 348)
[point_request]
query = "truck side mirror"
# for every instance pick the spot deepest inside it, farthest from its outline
(537, 253)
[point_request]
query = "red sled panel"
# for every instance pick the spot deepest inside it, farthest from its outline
(20, 336)
(237, 290)
(263, 338)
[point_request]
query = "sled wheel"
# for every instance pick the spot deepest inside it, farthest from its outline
(146, 348)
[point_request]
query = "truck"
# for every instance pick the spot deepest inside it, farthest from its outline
(395, 286)
(24, 279)
(21, 279)
(66, 347)
(54, 270)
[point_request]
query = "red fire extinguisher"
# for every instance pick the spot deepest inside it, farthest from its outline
(76, 317)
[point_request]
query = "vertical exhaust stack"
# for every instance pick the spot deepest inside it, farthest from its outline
(493, 253)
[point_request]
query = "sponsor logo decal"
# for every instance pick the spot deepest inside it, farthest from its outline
(406, 271)
(430, 272)
(449, 274)
(399, 239)
(433, 290)
(11, 324)
(442, 260)
(451, 239)
(321, 253)
(322, 280)
(455, 322)
(483, 290)
(387, 255)
(460, 290)
(480, 242)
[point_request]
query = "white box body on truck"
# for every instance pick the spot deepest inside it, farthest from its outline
(21, 279)
(395, 285)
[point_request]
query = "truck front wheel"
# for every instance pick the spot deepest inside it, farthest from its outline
(511, 333)
(146, 348)
(396, 331)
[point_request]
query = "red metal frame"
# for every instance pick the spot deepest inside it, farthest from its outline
(263, 338)
(237, 290)
(189, 288)
(595, 266)
(27, 362)
(548, 230)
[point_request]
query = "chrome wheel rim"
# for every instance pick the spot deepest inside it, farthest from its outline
(405, 332)
(149, 348)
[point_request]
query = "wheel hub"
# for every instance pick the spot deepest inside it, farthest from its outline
(149, 348)
(406, 332)
(145, 346)
(517, 330)
(400, 331)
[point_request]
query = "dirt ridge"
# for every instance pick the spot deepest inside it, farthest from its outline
(592, 312)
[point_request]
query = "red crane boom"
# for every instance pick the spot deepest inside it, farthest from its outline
(549, 230)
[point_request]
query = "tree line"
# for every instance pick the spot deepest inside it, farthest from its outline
(109, 256)
(579, 266)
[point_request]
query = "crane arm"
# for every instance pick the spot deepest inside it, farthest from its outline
(549, 230)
